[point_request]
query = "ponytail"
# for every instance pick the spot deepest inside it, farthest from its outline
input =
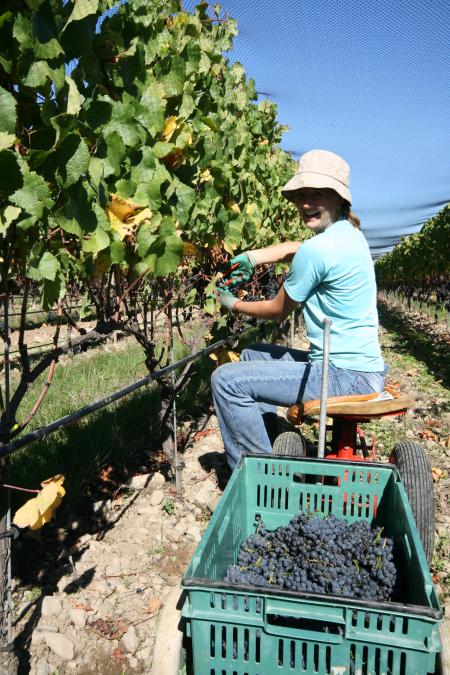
(347, 214)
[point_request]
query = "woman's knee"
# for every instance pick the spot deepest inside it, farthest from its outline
(222, 376)
(256, 352)
(248, 353)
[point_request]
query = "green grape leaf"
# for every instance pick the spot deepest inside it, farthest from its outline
(5, 17)
(48, 266)
(98, 113)
(187, 106)
(96, 241)
(52, 291)
(41, 74)
(73, 160)
(117, 252)
(46, 45)
(174, 79)
(64, 125)
(124, 124)
(170, 253)
(82, 9)
(22, 31)
(145, 238)
(161, 149)
(185, 201)
(115, 151)
(74, 98)
(6, 140)
(194, 54)
(96, 170)
(7, 216)
(153, 188)
(8, 115)
(64, 219)
(34, 197)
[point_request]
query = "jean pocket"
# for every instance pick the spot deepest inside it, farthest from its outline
(368, 383)
(344, 382)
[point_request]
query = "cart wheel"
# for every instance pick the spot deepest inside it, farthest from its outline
(290, 443)
(415, 470)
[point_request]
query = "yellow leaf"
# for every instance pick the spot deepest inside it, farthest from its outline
(205, 176)
(122, 208)
(170, 127)
(223, 355)
(117, 224)
(438, 474)
(28, 515)
(139, 217)
(233, 206)
(50, 497)
(250, 209)
(264, 142)
(39, 510)
(58, 480)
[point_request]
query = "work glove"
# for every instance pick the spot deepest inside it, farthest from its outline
(241, 269)
(226, 297)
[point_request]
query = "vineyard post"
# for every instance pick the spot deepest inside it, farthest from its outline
(178, 470)
(5, 506)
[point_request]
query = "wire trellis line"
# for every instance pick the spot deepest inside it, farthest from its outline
(40, 433)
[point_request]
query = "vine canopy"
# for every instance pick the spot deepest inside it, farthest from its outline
(150, 141)
(419, 259)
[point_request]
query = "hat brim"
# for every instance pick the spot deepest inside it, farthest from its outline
(315, 180)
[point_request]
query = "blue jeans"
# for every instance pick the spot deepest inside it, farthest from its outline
(268, 376)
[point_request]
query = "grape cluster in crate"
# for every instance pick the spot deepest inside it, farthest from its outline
(319, 555)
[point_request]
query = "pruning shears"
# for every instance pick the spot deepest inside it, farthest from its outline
(227, 274)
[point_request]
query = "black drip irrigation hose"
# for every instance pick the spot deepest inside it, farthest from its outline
(8, 448)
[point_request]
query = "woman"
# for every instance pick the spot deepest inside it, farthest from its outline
(332, 276)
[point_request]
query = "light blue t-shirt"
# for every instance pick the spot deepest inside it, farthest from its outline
(332, 274)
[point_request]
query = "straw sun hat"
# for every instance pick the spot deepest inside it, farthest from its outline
(320, 169)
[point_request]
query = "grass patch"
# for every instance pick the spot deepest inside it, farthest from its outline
(117, 434)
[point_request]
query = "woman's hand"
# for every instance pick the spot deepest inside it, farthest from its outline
(226, 298)
(242, 268)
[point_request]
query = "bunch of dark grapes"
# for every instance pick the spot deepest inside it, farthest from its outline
(262, 286)
(319, 555)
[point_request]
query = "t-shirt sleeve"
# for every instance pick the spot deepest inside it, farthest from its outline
(306, 273)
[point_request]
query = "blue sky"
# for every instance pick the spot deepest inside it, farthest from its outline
(367, 80)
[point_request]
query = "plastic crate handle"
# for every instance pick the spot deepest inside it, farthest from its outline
(304, 621)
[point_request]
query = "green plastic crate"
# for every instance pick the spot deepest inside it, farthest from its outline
(242, 630)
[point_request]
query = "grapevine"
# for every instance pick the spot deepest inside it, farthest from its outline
(419, 266)
(135, 161)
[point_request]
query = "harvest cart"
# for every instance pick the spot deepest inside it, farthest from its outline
(244, 630)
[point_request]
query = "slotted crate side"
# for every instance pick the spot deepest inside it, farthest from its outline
(318, 619)
(395, 515)
(227, 528)
(281, 489)
(228, 649)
